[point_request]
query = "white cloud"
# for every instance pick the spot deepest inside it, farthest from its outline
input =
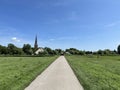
(14, 39)
(112, 24)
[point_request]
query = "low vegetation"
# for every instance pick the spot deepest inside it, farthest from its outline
(17, 72)
(26, 50)
(95, 73)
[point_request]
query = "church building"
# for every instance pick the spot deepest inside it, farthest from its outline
(36, 44)
(36, 48)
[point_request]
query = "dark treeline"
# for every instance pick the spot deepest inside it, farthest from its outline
(74, 51)
(11, 49)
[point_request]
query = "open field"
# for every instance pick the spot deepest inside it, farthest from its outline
(97, 73)
(17, 72)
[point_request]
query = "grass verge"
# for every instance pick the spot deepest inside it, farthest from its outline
(17, 72)
(97, 73)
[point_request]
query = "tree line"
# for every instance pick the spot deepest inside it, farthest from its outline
(27, 49)
(74, 51)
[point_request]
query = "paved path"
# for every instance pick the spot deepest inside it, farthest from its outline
(58, 76)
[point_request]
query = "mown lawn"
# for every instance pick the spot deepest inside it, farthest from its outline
(97, 73)
(17, 72)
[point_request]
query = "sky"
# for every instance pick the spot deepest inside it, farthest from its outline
(82, 24)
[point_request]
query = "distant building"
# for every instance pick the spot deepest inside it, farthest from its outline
(37, 49)
(36, 44)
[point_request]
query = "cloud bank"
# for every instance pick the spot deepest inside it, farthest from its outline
(14, 39)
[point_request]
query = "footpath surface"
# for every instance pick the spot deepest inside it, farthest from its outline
(58, 76)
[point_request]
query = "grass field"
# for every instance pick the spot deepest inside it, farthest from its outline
(97, 73)
(17, 72)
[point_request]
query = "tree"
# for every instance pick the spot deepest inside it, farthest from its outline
(27, 49)
(73, 51)
(49, 50)
(81, 52)
(11, 49)
(88, 52)
(3, 50)
(100, 52)
(19, 51)
(118, 49)
(58, 51)
(114, 51)
(107, 52)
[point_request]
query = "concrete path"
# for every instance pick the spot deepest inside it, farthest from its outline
(58, 76)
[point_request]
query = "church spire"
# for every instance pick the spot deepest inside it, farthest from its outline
(36, 45)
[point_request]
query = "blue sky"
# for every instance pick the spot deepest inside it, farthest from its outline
(81, 24)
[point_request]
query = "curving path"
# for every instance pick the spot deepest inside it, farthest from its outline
(58, 76)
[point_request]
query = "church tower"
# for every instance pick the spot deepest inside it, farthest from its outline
(36, 44)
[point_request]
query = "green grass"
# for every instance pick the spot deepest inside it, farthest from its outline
(17, 72)
(97, 73)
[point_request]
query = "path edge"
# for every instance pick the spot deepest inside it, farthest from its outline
(74, 74)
